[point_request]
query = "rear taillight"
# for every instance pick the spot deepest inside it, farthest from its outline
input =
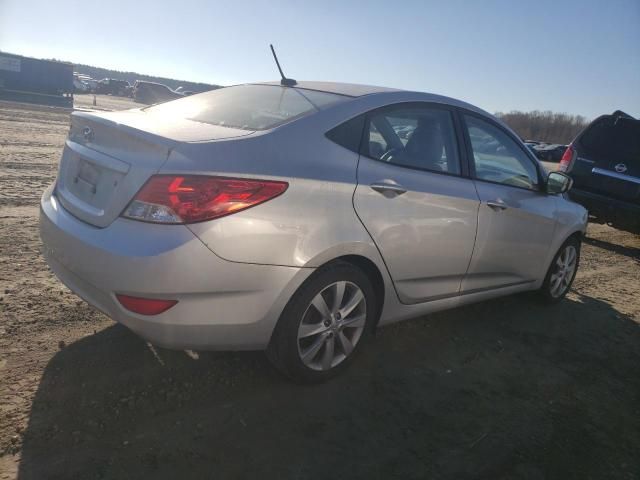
(567, 159)
(196, 198)
(145, 306)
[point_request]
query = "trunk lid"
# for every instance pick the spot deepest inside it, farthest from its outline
(608, 158)
(109, 156)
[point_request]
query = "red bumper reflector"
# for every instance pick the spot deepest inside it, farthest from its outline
(145, 306)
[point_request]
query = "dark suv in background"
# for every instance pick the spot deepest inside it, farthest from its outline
(604, 162)
(113, 86)
(151, 92)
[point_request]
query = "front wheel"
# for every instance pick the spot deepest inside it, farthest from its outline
(562, 271)
(324, 324)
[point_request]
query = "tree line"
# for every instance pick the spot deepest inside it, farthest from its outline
(549, 127)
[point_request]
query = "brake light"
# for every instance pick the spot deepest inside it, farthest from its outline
(145, 306)
(195, 198)
(567, 159)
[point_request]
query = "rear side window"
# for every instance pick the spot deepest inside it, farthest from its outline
(611, 139)
(348, 134)
(248, 107)
(415, 137)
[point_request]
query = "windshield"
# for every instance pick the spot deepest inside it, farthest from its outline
(248, 107)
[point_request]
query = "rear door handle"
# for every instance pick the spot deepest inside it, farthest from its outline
(383, 187)
(497, 205)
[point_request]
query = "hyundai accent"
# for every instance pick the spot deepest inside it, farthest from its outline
(297, 218)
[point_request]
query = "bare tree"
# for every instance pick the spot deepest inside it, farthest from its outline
(545, 126)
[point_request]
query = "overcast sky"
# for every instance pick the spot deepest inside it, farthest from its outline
(575, 56)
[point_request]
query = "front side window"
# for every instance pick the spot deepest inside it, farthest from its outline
(248, 107)
(414, 137)
(497, 157)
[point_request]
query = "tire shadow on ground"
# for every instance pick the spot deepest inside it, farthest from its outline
(507, 388)
(627, 251)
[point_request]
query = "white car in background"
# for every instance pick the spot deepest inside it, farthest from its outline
(79, 86)
(84, 83)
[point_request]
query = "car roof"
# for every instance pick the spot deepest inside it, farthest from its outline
(348, 89)
(368, 97)
(383, 94)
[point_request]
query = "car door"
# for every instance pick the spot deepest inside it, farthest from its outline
(516, 218)
(414, 199)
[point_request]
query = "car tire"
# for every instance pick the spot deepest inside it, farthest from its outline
(562, 271)
(311, 343)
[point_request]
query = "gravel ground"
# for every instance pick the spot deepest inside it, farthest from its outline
(504, 389)
(104, 102)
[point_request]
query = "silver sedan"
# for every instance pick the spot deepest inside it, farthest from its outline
(298, 218)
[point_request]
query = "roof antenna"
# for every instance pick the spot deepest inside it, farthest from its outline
(287, 82)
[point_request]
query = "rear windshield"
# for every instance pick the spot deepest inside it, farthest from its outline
(616, 139)
(248, 107)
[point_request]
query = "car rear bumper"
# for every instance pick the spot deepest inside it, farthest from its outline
(620, 214)
(221, 305)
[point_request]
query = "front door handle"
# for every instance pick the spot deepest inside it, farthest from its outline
(497, 205)
(384, 187)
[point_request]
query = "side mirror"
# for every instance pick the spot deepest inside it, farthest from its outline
(558, 182)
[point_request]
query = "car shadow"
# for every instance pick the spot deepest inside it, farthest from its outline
(627, 251)
(508, 388)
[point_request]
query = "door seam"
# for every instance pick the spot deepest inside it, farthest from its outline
(353, 205)
(475, 237)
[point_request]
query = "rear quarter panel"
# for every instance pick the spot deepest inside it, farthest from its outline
(313, 216)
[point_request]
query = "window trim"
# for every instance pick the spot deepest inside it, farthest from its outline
(460, 147)
(540, 186)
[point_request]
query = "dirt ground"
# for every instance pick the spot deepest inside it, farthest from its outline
(505, 389)
(104, 102)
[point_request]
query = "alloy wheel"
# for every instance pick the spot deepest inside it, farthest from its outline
(332, 325)
(563, 272)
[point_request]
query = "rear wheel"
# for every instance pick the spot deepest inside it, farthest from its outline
(324, 324)
(562, 271)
